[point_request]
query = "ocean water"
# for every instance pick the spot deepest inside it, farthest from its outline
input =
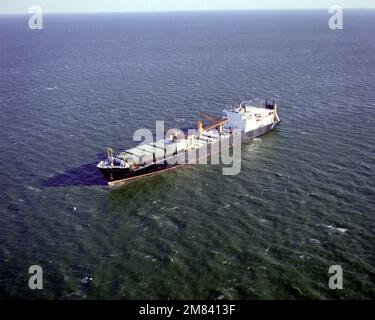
(303, 201)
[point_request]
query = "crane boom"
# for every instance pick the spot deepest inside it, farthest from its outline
(208, 118)
(215, 124)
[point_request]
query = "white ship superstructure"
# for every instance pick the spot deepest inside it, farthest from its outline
(247, 118)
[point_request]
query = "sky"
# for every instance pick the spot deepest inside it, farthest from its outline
(22, 6)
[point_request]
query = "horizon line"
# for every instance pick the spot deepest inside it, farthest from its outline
(190, 10)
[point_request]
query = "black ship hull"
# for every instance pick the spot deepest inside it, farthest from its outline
(116, 176)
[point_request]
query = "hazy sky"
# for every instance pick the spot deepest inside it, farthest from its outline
(22, 6)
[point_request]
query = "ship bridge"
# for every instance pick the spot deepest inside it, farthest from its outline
(245, 117)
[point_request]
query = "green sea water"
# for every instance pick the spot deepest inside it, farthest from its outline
(303, 201)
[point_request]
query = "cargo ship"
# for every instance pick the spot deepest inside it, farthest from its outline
(238, 124)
